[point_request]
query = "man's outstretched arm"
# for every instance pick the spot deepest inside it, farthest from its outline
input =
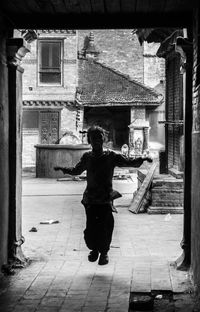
(123, 161)
(78, 169)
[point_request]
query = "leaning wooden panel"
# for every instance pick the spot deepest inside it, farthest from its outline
(140, 195)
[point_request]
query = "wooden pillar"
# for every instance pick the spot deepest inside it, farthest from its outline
(186, 46)
(4, 148)
(16, 49)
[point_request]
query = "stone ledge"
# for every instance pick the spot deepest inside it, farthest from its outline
(176, 173)
(159, 190)
(165, 210)
(165, 183)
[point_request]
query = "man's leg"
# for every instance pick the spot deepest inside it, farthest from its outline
(105, 230)
(90, 233)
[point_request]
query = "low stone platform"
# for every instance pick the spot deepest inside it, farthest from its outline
(166, 193)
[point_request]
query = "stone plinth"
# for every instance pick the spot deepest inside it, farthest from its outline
(166, 193)
(49, 156)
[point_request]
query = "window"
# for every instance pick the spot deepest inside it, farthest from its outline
(50, 57)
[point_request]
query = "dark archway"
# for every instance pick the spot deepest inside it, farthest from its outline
(49, 14)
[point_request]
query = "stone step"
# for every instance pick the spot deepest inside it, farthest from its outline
(165, 204)
(164, 210)
(167, 197)
(169, 183)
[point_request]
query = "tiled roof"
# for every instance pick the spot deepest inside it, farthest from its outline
(101, 85)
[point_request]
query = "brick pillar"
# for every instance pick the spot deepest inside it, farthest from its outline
(16, 49)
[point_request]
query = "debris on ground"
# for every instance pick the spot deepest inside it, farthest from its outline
(159, 297)
(168, 217)
(141, 303)
(33, 229)
(50, 222)
(7, 269)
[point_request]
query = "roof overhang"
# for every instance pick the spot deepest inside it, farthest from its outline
(119, 104)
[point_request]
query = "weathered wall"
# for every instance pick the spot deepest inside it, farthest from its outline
(4, 156)
(66, 92)
(68, 120)
(154, 67)
(154, 77)
(119, 49)
(195, 233)
(30, 138)
(33, 91)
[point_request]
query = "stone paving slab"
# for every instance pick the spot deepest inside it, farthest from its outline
(60, 278)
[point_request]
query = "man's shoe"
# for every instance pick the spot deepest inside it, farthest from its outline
(93, 255)
(103, 259)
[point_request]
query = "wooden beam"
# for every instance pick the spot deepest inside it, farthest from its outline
(128, 6)
(113, 6)
(85, 6)
(98, 6)
(99, 21)
(141, 193)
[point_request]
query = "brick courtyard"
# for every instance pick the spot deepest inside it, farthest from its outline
(60, 278)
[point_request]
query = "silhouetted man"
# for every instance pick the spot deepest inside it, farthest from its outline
(98, 195)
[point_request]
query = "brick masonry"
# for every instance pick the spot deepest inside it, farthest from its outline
(31, 88)
(154, 67)
(119, 49)
(166, 193)
(174, 102)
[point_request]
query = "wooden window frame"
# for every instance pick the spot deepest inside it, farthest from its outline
(50, 40)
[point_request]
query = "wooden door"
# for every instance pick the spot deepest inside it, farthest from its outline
(49, 127)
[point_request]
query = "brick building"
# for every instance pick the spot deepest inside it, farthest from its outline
(167, 188)
(32, 14)
(105, 95)
(174, 103)
(49, 84)
(51, 105)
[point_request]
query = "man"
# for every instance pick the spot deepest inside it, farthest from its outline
(98, 195)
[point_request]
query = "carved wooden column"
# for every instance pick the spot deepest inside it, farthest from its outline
(4, 148)
(16, 50)
(184, 47)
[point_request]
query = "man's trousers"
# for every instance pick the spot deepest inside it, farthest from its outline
(99, 227)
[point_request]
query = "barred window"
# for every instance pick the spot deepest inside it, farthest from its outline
(50, 58)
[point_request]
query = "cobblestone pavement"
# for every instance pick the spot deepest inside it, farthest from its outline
(60, 278)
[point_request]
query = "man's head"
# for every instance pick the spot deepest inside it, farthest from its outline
(95, 137)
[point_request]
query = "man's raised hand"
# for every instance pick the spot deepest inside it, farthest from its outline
(149, 159)
(57, 168)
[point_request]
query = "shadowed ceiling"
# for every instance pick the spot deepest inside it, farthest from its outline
(97, 13)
